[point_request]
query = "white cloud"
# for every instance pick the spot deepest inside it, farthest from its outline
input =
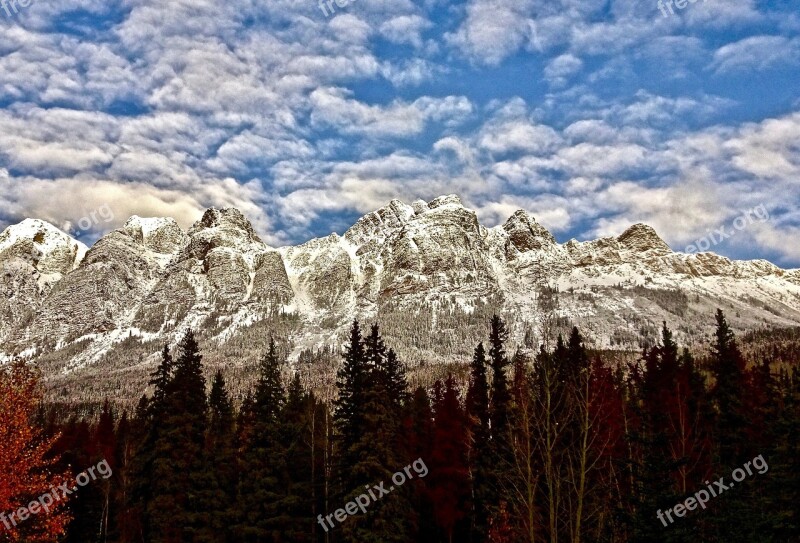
(757, 53)
(561, 68)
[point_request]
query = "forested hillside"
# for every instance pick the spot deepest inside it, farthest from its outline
(554, 444)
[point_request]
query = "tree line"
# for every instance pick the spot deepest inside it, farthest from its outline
(554, 445)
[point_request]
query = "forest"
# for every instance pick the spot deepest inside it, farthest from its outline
(559, 444)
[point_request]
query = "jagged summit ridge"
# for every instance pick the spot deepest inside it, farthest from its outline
(42, 245)
(641, 237)
(150, 279)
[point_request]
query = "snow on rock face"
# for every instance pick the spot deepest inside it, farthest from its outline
(161, 235)
(376, 226)
(100, 294)
(643, 238)
(223, 228)
(41, 244)
(525, 234)
(151, 277)
(448, 200)
(34, 256)
(441, 249)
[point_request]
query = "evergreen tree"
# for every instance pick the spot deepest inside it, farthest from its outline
(178, 464)
(264, 472)
(104, 442)
(149, 420)
(500, 449)
(449, 479)
(500, 400)
(420, 432)
(298, 438)
(728, 369)
(477, 408)
(396, 382)
(351, 382)
(218, 493)
(369, 427)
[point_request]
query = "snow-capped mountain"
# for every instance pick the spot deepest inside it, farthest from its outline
(34, 256)
(429, 272)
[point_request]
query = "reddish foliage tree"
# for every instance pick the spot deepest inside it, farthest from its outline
(27, 473)
(449, 479)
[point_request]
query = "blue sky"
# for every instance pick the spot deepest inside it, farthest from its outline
(590, 115)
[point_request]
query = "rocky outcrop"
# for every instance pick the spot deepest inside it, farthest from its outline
(34, 257)
(150, 279)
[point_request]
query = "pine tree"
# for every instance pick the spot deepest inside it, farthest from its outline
(219, 477)
(477, 407)
(178, 464)
(369, 427)
(499, 412)
(352, 383)
(150, 421)
(420, 432)
(728, 368)
(160, 379)
(396, 382)
(499, 407)
(104, 441)
(264, 478)
(449, 479)
(298, 439)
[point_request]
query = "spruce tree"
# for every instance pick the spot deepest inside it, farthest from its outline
(177, 468)
(218, 494)
(264, 478)
(477, 408)
(351, 382)
(500, 401)
(499, 413)
(297, 436)
(728, 368)
(149, 423)
(420, 431)
(449, 479)
(369, 425)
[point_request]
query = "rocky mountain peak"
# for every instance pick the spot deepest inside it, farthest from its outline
(447, 200)
(43, 245)
(222, 228)
(159, 234)
(380, 223)
(227, 218)
(525, 234)
(641, 237)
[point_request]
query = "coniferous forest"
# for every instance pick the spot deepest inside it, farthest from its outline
(556, 446)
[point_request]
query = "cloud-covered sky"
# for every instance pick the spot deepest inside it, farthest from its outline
(592, 115)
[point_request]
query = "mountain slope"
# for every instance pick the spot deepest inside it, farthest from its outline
(429, 272)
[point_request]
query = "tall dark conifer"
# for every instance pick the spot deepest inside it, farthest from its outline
(499, 412)
(217, 497)
(449, 480)
(351, 382)
(728, 369)
(264, 473)
(178, 465)
(298, 438)
(477, 410)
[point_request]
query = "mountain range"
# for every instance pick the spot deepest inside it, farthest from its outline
(429, 272)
